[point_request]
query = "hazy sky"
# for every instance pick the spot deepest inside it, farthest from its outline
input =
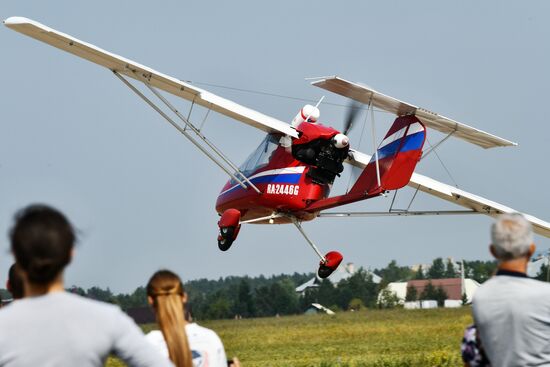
(73, 136)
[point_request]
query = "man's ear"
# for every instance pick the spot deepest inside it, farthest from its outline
(150, 301)
(184, 298)
(492, 251)
(532, 249)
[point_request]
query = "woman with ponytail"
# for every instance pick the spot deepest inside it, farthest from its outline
(52, 327)
(165, 293)
(185, 343)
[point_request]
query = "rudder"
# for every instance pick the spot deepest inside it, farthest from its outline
(398, 155)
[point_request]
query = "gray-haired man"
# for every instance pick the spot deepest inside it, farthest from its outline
(512, 311)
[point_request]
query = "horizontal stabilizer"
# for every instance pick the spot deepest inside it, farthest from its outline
(367, 95)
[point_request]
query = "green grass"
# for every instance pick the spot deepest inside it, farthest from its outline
(367, 338)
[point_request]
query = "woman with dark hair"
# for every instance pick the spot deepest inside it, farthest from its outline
(185, 343)
(51, 327)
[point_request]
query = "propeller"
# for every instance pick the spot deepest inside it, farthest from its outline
(354, 109)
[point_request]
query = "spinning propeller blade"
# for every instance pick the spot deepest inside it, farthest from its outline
(353, 111)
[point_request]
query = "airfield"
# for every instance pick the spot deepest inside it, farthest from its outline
(381, 338)
(144, 197)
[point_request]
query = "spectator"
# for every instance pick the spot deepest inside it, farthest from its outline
(51, 327)
(14, 284)
(512, 311)
(186, 343)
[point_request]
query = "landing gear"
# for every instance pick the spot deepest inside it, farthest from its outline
(226, 238)
(229, 224)
(332, 261)
(329, 262)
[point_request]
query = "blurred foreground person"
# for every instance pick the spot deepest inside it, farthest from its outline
(51, 327)
(512, 311)
(14, 284)
(186, 343)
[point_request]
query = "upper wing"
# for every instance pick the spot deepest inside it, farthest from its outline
(368, 95)
(145, 74)
(457, 196)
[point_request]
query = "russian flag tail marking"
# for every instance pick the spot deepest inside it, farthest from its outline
(398, 155)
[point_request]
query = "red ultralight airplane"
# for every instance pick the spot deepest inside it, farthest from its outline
(288, 178)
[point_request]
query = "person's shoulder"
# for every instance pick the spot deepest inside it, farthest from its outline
(76, 299)
(93, 308)
(154, 336)
(196, 329)
(7, 311)
(539, 285)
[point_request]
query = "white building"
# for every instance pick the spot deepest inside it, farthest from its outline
(454, 287)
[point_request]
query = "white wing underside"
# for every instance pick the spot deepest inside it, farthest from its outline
(367, 95)
(142, 73)
(458, 196)
(271, 125)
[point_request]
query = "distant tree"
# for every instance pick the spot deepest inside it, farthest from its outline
(76, 290)
(244, 304)
(450, 271)
(104, 295)
(437, 270)
(393, 272)
(419, 274)
(543, 273)
(284, 297)
(440, 296)
(4, 294)
(219, 308)
(412, 294)
(326, 293)
(388, 299)
(262, 299)
(479, 270)
(359, 285)
(355, 304)
(309, 296)
(429, 292)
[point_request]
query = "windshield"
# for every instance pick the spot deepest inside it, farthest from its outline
(261, 156)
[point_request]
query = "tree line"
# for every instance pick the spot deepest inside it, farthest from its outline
(244, 296)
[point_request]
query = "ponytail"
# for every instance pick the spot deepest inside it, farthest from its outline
(166, 290)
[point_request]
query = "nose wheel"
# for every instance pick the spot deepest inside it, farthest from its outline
(329, 262)
(226, 238)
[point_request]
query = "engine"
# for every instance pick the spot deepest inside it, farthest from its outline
(321, 147)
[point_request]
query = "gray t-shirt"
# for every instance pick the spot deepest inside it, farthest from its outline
(63, 329)
(512, 315)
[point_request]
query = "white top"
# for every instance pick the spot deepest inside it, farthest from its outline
(206, 346)
(64, 329)
(512, 315)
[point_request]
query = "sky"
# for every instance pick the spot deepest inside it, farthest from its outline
(142, 197)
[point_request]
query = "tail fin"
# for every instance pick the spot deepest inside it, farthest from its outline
(398, 155)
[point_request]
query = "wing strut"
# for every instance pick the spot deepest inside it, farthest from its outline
(216, 156)
(397, 213)
(371, 108)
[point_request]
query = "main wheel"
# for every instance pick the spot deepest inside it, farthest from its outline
(324, 271)
(225, 238)
(333, 260)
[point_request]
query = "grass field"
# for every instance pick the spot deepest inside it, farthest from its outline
(368, 338)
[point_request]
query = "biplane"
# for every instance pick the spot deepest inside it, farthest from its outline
(288, 178)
